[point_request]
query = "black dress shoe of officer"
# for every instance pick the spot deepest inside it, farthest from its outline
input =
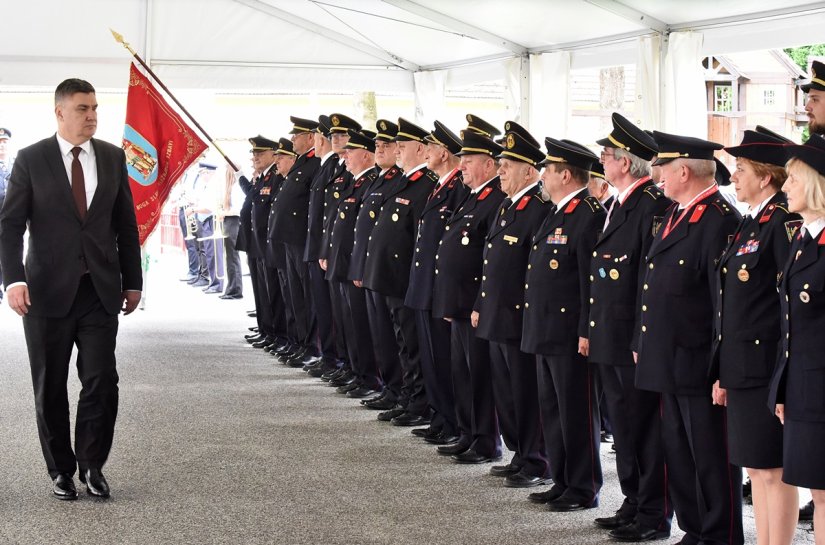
(384, 404)
(271, 347)
(473, 457)
(310, 359)
(253, 328)
(253, 335)
(504, 470)
(266, 341)
(616, 521)
(63, 487)
(410, 419)
(522, 480)
(423, 432)
(443, 438)
(333, 374)
(547, 496)
(372, 399)
(254, 338)
(346, 378)
(806, 512)
(360, 392)
(636, 532)
(318, 371)
(454, 449)
(565, 505)
(387, 416)
(286, 348)
(96, 484)
(354, 385)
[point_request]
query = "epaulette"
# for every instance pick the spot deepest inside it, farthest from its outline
(572, 205)
(722, 205)
(654, 192)
(372, 175)
(523, 202)
(783, 206)
(697, 213)
(432, 176)
(821, 240)
(593, 202)
(416, 175)
(484, 193)
(453, 179)
(391, 173)
(767, 213)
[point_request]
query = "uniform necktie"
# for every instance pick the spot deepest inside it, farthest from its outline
(505, 204)
(78, 183)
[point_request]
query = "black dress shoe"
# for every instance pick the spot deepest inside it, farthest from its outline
(616, 521)
(96, 484)
(254, 329)
(374, 398)
(254, 338)
(565, 505)
(504, 470)
(443, 438)
(454, 449)
(636, 532)
(348, 387)
(806, 512)
(409, 419)
(253, 335)
(520, 480)
(345, 378)
(263, 342)
(63, 487)
(606, 437)
(333, 374)
(747, 495)
(554, 493)
(383, 404)
(361, 391)
(387, 416)
(423, 432)
(473, 457)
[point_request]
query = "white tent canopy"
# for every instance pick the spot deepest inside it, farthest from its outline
(419, 46)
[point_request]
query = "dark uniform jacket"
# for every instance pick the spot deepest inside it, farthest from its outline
(500, 300)
(446, 199)
(748, 327)
(315, 219)
(291, 206)
(615, 273)
(274, 254)
(342, 230)
(367, 216)
(678, 298)
(461, 252)
(245, 223)
(261, 190)
(799, 380)
(556, 287)
(390, 249)
(334, 193)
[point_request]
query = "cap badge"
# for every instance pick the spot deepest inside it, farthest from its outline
(335, 120)
(511, 141)
(382, 126)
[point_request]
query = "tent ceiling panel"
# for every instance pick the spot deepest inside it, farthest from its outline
(677, 12)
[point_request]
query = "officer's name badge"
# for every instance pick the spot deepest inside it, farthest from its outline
(749, 247)
(511, 239)
(557, 237)
(399, 200)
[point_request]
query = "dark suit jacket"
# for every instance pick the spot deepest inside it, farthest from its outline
(342, 230)
(747, 331)
(333, 195)
(431, 225)
(61, 246)
(500, 301)
(678, 299)
(616, 273)
(461, 253)
(556, 287)
(291, 207)
(315, 219)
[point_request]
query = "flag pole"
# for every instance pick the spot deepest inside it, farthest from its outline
(119, 39)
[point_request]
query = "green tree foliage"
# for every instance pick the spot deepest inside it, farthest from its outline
(800, 54)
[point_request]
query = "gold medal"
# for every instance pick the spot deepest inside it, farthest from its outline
(614, 274)
(395, 217)
(743, 275)
(372, 214)
(343, 215)
(336, 195)
(804, 297)
(554, 264)
(465, 241)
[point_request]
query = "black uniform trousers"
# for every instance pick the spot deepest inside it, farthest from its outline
(359, 339)
(570, 421)
(413, 396)
(282, 323)
(384, 344)
(263, 311)
(331, 349)
(706, 490)
(338, 308)
(473, 390)
(50, 342)
(300, 297)
(436, 370)
(640, 461)
(234, 275)
(517, 404)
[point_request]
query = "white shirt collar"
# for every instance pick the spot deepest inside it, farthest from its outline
(444, 178)
(412, 170)
(66, 146)
(629, 189)
(326, 156)
(814, 228)
(363, 172)
(482, 186)
(523, 192)
(753, 212)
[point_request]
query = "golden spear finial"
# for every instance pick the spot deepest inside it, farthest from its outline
(119, 39)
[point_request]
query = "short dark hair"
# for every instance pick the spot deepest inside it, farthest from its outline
(579, 174)
(71, 86)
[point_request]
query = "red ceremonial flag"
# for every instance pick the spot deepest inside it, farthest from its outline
(159, 147)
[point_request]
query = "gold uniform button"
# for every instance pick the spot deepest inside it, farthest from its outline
(806, 286)
(525, 286)
(484, 278)
(591, 277)
(489, 244)
(526, 305)
(650, 266)
(644, 328)
(343, 215)
(594, 254)
(372, 214)
(591, 300)
(644, 287)
(529, 266)
(681, 262)
(485, 261)
(592, 324)
(720, 337)
(725, 270)
(416, 263)
(518, 307)
(756, 341)
(644, 308)
(483, 294)
(535, 247)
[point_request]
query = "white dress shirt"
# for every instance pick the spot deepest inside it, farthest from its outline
(87, 162)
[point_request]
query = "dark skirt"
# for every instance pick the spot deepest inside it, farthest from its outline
(804, 454)
(754, 432)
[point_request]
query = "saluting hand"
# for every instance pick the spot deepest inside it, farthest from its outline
(130, 300)
(19, 300)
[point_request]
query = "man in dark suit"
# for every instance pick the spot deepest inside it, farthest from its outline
(82, 269)
(674, 347)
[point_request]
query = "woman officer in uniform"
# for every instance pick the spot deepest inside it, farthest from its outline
(747, 330)
(798, 385)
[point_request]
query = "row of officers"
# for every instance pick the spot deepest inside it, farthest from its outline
(473, 285)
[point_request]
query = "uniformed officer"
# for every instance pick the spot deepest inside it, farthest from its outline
(478, 126)
(290, 209)
(555, 327)
(434, 333)
(748, 324)
(380, 320)
(632, 222)
(796, 390)
(459, 258)
(359, 153)
(674, 347)
(6, 162)
(206, 204)
(598, 185)
(498, 312)
(815, 101)
(389, 257)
